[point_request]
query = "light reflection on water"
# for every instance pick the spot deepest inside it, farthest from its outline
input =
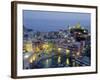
(54, 61)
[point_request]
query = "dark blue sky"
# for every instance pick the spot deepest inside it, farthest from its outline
(50, 21)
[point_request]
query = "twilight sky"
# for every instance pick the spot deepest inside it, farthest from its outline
(51, 21)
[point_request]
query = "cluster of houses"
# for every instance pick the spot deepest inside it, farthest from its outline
(75, 39)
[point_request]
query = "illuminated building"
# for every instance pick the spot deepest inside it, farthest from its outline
(28, 46)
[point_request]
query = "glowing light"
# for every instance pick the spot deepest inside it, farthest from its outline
(45, 46)
(78, 53)
(26, 56)
(59, 49)
(59, 59)
(78, 25)
(68, 41)
(65, 36)
(79, 33)
(67, 51)
(84, 31)
(67, 61)
(28, 47)
(47, 61)
(37, 49)
(34, 57)
(30, 60)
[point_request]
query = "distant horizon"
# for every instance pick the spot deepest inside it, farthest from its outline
(46, 21)
(46, 31)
